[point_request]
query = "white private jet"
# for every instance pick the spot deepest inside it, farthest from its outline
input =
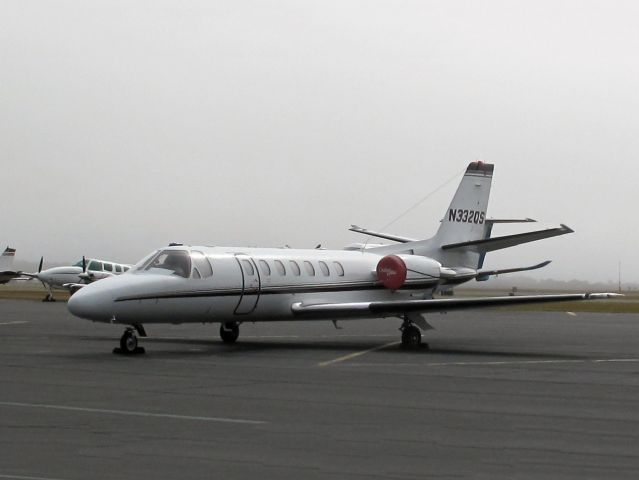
(232, 285)
(74, 277)
(6, 266)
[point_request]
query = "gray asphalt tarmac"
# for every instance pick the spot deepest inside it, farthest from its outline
(499, 395)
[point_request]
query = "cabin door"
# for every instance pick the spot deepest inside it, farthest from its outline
(251, 285)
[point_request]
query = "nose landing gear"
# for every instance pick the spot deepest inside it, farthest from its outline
(129, 343)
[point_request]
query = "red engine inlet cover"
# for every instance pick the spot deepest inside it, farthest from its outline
(391, 271)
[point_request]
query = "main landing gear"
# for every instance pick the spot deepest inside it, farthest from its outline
(411, 336)
(229, 332)
(129, 341)
(49, 296)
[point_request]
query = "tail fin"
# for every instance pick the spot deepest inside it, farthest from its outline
(464, 236)
(6, 259)
(465, 219)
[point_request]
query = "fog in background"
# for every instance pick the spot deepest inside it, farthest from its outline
(128, 125)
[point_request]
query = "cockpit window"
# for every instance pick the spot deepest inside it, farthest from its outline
(177, 262)
(95, 266)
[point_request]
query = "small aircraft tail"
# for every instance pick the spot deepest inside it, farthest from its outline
(464, 235)
(464, 221)
(6, 259)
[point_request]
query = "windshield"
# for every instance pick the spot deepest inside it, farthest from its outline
(176, 262)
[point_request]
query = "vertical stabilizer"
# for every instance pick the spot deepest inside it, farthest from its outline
(465, 219)
(6, 259)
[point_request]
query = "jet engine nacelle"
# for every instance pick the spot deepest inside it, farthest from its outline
(397, 271)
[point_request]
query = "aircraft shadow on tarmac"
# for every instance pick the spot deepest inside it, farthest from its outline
(190, 347)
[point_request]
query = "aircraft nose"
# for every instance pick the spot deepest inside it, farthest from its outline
(92, 302)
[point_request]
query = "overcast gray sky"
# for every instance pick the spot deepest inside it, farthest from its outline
(127, 125)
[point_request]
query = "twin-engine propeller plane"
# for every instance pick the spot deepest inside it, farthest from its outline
(74, 277)
(231, 285)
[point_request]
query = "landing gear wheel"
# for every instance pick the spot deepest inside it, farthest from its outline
(411, 337)
(229, 332)
(48, 298)
(129, 343)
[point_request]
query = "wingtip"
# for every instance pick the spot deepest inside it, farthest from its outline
(598, 296)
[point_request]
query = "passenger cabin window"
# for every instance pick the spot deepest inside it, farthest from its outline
(108, 267)
(118, 269)
(264, 266)
(177, 262)
(95, 266)
(201, 265)
(324, 268)
(125, 268)
(279, 266)
(309, 268)
(339, 268)
(295, 268)
(248, 267)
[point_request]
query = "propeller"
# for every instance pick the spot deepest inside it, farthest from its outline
(41, 263)
(85, 275)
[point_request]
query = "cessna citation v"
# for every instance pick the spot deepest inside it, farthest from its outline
(231, 285)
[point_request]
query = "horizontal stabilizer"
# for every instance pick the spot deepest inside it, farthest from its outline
(398, 307)
(510, 220)
(483, 275)
(498, 243)
(386, 236)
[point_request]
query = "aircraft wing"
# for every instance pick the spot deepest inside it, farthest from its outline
(398, 307)
(497, 243)
(26, 276)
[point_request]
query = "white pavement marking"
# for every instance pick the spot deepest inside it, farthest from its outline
(355, 355)
(498, 363)
(22, 477)
(572, 314)
(17, 322)
(132, 413)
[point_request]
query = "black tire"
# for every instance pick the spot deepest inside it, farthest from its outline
(129, 342)
(411, 337)
(229, 332)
